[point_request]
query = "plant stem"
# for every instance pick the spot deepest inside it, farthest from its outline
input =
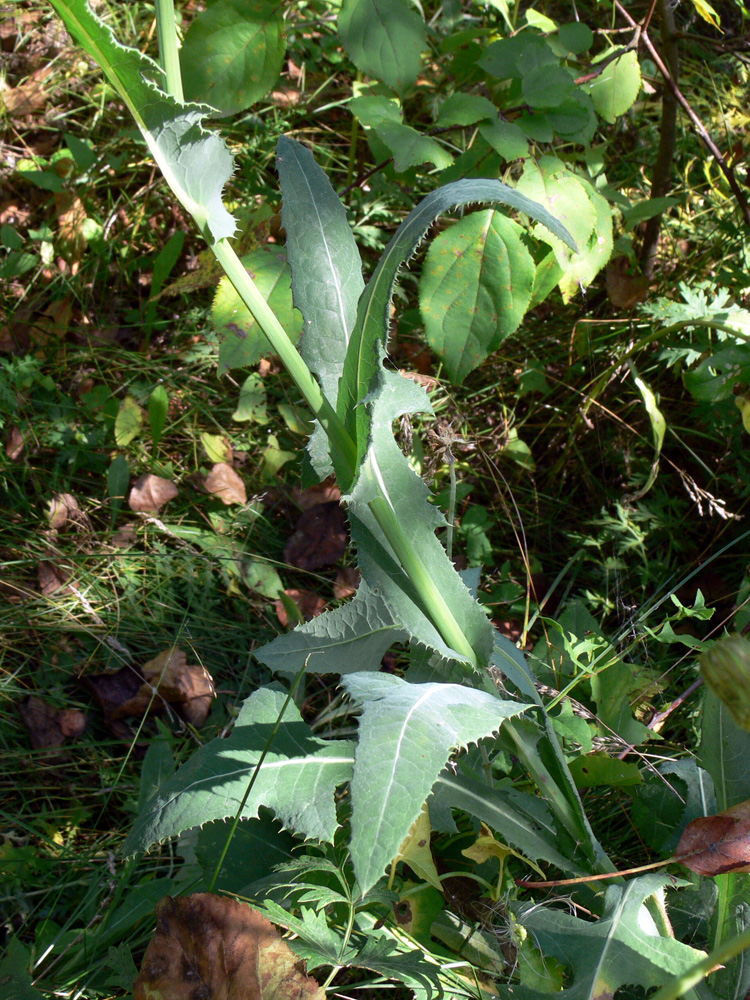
(434, 602)
(169, 57)
(290, 357)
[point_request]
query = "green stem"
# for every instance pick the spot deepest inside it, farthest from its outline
(719, 956)
(290, 357)
(451, 506)
(169, 56)
(434, 602)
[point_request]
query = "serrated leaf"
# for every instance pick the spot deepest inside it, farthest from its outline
(326, 272)
(386, 472)
(353, 637)
(366, 346)
(195, 163)
(616, 88)
(297, 781)
(475, 287)
(128, 422)
(317, 942)
(563, 194)
(622, 947)
(243, 343)
(384, 39)
(233, 53)
(406, 734)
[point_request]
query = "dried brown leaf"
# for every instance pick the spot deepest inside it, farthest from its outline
(52, 577)
(319, 538)
(224, 483)
(149, 494)
(211, 946)
(178, 682)
(28, 97)
(346, 583)
(167, 678)
(48, 727)
(14, 443)
(625, 290)
(63, 512)
(716, 844)
(315, 494)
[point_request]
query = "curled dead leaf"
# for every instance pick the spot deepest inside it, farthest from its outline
(178, 682)
(224, 483)
(48, 727)
(63, 512)
(167, 678)
(52, 577)
(211, 946)
(149, 494)
(712, 845)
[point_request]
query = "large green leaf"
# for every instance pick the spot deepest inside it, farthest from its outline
(326, 272)
(233, 53)
(550, 183)
(406, 735)
(366, 347)
(243, 342)
(616, 87)
(352, 637)
(384, 39)
(622, 948)
(297, 780)
(523, 821)
(475, 287)
(196, 164)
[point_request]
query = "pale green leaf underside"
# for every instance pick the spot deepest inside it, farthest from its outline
(196, 164)
(616, 88)
(406, 735)
(233, 53)
(621, 948)
(297, 781)
(326, 273)
(351, 638)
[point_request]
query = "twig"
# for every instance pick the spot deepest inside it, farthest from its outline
(697, 123)
(660, 183)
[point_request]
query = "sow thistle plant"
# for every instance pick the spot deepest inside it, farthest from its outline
(411, 594)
